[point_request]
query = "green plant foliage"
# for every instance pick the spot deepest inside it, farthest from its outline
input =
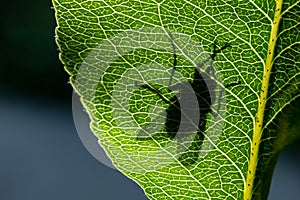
(122, 56)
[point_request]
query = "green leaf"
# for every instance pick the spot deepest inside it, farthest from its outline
(126, 57)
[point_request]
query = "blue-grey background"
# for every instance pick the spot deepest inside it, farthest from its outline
(41, 155)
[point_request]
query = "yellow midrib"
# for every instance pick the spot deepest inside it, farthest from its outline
(261, 105)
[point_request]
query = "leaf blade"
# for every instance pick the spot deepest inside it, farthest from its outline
(90, 23)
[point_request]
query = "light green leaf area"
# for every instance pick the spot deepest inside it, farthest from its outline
(124, 56)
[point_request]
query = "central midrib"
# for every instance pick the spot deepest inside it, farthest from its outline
(257, 133)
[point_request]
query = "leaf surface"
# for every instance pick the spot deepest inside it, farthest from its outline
(112, 48)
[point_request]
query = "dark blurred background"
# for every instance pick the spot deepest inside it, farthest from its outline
(41, 154)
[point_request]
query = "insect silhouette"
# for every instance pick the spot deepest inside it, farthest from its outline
(202, 86)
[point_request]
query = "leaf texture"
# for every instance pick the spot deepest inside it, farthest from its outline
(112, 48)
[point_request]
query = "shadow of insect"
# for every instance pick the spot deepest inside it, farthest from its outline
(182, 122)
